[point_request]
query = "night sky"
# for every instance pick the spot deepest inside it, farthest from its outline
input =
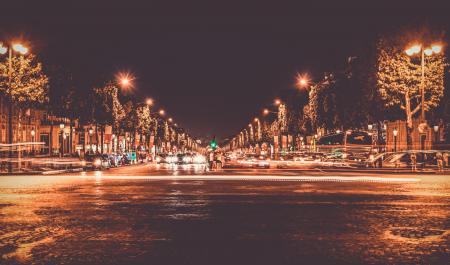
(212, 66)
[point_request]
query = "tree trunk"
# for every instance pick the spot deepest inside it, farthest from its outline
(50, 139)
(70, 136)
(84, 140)
(96, 136)
(102, 131)
(409, 122)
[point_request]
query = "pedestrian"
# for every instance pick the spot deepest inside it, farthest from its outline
(211, 160)
(219, 160)
(445, 157)
(440, 161)
(413, 162)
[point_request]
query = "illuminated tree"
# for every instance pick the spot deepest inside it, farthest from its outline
(399, 80)
(23, 84)
(108, 109)
(29, 85)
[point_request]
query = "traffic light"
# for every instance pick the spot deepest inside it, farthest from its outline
(213, 144)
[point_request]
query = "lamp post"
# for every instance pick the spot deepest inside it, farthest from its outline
(61, 147)
(90, 131)
(436, 131)
(19, 48)
(418, 48)
(395, 132)
(33, 133)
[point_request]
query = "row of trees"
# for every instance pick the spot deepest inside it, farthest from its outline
(24, 84)
(378, 84)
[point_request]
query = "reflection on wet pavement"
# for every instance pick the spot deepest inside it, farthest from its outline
(76, 220)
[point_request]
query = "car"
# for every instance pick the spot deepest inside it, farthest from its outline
(97, 161)
(252, 160)
(161, 158)
(403, 159)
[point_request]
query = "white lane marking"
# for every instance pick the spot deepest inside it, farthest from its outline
(264, 178)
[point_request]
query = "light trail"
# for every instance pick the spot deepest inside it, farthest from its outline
(263, 178)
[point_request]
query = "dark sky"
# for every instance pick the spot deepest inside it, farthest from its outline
(212, 66)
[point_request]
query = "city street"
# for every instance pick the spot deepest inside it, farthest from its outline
(150, 214)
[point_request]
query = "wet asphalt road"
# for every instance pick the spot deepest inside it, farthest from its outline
(109, 218)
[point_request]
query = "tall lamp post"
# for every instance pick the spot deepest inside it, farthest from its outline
(436, 131)
(61, 147)
(19, 48)
(33, 133)
(395, 132)
(418, 48)
(90, 131)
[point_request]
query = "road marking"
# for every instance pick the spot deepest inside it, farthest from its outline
(264, 178)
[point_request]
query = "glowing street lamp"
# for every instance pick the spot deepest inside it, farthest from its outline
(395, 132)
(277, 102)
(61, 127)
(416, 49)
(125, 80)
(170, 120)
(161, 112)
(302, 81)
(149, 101)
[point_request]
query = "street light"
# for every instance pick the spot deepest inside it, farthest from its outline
(61, 127)
(302, 81)
(149, 102)
(277, 102)
(90, 131)
(418, 48)
(161, 112)
(436, 130)
(19, 48)
(125, 80)
(170, 120)
(33, 133)
(395, 132)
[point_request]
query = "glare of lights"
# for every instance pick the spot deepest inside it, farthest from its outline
(20, 48)
(395, 131)
(125, 80)
(61, 126)
(149, 102)
(3, 49)
(161, 112)
(428, 52)
(170, 120)
(33, 133)
(91, 131)
(437, 48)
(249, 125)
(256, 119)
(277, 102)
(338, 131)
(413, 49)
(302, 81)
(265, 111)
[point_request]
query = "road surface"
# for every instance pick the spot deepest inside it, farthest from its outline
(161, 215)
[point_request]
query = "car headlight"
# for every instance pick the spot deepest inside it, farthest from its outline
(97, 162)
